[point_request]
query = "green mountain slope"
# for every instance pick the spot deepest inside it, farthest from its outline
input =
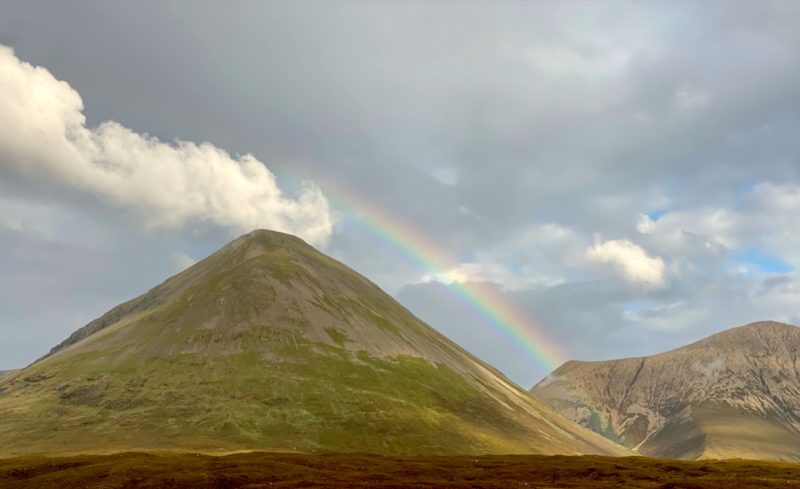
(735, 394)
(269, 344)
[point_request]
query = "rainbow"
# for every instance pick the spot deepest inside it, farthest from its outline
(484, 301)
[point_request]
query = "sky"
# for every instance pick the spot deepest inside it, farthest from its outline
(625, 175)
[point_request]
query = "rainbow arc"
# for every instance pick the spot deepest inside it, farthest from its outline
(486, 302)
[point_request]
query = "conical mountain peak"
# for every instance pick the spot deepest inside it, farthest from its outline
(269, 344)
(242, 267)
(265, 239)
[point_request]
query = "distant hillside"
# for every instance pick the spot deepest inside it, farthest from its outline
(6, 373)
(269, 344)
(733, 394)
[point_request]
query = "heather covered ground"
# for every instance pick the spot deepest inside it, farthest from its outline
(275, 470)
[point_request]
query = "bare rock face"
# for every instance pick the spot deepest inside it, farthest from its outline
(733, 394)
(270, 345)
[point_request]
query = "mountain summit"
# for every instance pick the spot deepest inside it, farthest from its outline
(733, 394)
(268, 344)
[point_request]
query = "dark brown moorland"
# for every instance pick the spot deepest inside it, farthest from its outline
(274, 470)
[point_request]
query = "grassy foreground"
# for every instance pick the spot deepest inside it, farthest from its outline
(276, 470)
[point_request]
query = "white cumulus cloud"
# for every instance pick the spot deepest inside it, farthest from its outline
(44, 138)
(635, 264)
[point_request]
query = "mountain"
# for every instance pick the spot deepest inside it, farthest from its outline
(6, 373)
(735, 394)
(268, 344)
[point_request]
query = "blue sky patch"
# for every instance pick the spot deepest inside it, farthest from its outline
(654, 215)
(758, 261)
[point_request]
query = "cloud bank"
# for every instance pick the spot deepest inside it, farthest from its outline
(44, 138)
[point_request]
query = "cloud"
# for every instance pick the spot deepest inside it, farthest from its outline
(668, 318)
(645, 224)
(531, 257)
(489, 272)
(634, 262)
(44, 139)
(691, 101)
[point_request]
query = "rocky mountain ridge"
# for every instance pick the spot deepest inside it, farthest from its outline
(733, 394)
